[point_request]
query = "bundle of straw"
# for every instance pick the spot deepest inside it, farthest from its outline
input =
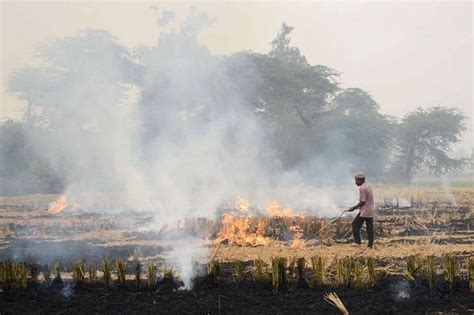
(334, 300)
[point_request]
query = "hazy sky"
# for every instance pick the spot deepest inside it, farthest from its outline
(406, 54)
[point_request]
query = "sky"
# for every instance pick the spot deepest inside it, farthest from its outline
(406, 54)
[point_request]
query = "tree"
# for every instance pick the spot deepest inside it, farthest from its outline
(282, 50)
(354, 131)
(79, 95)
(281, 92)
(22, 169)
(424, 138)
(81, 74)
(354, 101)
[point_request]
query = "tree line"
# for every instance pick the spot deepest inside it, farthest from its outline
(301, 108)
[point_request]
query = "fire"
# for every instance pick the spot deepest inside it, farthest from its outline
(58, 206)
(236, 226)
(274, 209)
(235, 230)
(242, 204)
(298, 241)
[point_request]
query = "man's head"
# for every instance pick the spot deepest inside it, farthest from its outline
(359, 178)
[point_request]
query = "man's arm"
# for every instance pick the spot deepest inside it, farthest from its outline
(357, 206)
(362, 199)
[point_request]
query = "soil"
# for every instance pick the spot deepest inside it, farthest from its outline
(391, 296)
(424, 226)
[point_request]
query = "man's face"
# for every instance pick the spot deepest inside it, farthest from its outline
(359, 181)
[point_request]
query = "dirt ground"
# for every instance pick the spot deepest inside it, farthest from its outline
(221, 297)
(424, 221)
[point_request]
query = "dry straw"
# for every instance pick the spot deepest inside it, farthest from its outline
(430, 271)
(79, 271)
(334, 300)
(239, 270)
(92, 273)
(107, 272)
(214, 268)
(47, 274)
(121, 267)
(137, 268)
(470, 268)
(34, 271)
(371, 276)
(259, 270)
(57, 270)
(450, 270)
(317, 263)
(151, 275)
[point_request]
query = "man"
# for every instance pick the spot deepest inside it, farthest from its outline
(366, 213)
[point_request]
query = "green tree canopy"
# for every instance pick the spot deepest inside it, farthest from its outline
(424, 139)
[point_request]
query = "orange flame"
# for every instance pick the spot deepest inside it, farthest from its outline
(235, 230)
(242, 204)
(236, 225)
(298, 241)
(58, 206)
(274, 209)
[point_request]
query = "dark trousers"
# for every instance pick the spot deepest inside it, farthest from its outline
(357, 224)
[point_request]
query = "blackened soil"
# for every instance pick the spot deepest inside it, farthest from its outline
(211, 296)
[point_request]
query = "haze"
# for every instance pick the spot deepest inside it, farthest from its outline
(405, 54)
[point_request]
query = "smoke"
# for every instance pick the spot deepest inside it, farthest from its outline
(164, 129)
(447, 192)
(166, 18)
(401, 290)
(68, 290)
(186, 255)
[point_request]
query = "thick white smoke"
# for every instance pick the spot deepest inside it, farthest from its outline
(164, 129)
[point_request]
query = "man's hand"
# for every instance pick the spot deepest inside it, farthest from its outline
(357, 206)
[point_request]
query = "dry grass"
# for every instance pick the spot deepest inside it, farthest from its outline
(238, 270)
(107, 272)
(259, 270)
(430, 271)
(92, 273)
(334, 300)
(371, 275)
(214, 268)
(57, 270)
(317, 264)
(279, 279)
(470, 268)
(46, 274)
(301, 269)
(151, 274)
(79, 271)
(167, 272)
(328, 253)
(121, 268)
(343, 271)
(137, 268)
(414, 267)
(358, 280)
(450, 270)
(34, 272)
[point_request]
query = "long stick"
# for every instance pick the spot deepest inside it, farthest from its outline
(334, 220)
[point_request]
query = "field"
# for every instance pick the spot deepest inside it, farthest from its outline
(422, 261)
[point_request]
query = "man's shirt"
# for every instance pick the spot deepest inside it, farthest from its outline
(366, 194)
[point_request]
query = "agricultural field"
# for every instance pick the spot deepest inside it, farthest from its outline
(58, 256)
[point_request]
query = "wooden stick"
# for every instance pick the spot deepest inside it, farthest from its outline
(334, 220)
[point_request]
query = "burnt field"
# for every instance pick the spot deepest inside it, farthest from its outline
(81, 260)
